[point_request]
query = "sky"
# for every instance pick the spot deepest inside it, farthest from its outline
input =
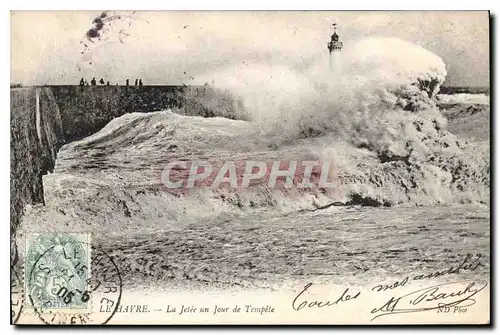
(51, 47)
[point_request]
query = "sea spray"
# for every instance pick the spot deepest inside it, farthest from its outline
(378, 123)
(382, 101)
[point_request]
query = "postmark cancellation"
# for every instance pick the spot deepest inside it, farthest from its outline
(56, 272)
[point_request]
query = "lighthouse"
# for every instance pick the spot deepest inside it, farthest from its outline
(334, 47)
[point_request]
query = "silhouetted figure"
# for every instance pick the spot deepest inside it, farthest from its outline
(107, 84)
(86, 82)
(126, 82)
(140, 82)
(82, 82)
(101, 81)
(93, 82)
(136, 82)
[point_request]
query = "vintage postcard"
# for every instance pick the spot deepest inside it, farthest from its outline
(250, 167)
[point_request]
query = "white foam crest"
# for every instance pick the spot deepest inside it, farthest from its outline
(464, 98)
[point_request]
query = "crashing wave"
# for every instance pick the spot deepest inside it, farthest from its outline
(384, 101)
(377, 122)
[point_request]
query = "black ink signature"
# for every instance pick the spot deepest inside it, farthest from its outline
(467, 264)
(299, 302)
(385, 287)
(432, 297)
(473, 265)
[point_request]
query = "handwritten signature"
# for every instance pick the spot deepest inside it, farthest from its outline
(431, 298)
(468, 263)
(300, 302)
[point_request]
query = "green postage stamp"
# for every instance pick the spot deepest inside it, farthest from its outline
(57, 271)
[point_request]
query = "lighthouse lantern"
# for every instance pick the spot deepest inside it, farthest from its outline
(335, 44)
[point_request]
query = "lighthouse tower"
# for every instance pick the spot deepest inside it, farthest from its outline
(334, 47)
